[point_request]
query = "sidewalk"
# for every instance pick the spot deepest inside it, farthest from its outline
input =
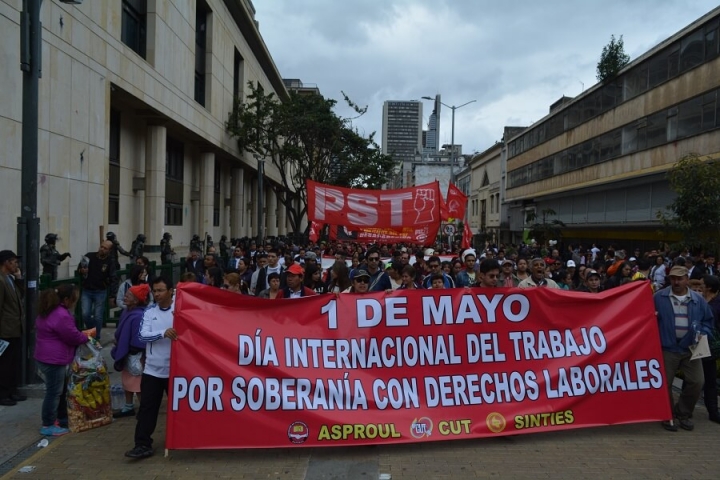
(627, 452)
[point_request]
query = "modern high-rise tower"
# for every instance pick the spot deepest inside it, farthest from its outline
(402, 135)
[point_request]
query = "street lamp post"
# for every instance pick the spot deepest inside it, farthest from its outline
(261, 199)
(452, 135)
(28, 223)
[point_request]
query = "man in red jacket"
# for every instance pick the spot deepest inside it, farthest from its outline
(294, 287)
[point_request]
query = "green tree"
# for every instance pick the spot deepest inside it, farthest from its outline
(304, 139)
(542, 228)
(612, 59)
(695, 212)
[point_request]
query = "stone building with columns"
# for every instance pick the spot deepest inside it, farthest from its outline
(134, 97)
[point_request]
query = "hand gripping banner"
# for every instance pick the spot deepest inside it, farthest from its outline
(411, 366)
(355, 208)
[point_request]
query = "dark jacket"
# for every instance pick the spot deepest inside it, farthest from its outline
(11, 308)
(101, 273)
(304, 292)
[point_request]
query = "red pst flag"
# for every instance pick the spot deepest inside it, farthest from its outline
(357, 208)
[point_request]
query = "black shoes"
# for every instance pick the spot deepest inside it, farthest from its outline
(7, 402)
(18, 398)
(715, 418)
(124, 413)
(140, 451)
(670, 426)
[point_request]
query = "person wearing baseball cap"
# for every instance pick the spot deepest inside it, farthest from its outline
(684, 317)
(360, 282)
(11, 328)
(294, 287)
(592, 282)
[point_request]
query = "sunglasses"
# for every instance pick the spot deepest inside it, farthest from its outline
(373, 259)
(362, 280)
(434, 266)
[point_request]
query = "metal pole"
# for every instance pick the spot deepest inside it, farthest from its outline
(261, 202)
(452, 146)
(28, 224)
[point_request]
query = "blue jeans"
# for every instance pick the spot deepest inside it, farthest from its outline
(54, 405)
(92, 303)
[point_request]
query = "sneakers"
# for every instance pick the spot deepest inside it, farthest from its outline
(53, 431)
(670, 426)
(686, 424)
(124, 413)
(140, 451)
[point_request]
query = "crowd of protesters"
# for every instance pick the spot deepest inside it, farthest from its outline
(686, 299)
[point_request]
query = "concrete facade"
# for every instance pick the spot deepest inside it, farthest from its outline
(599, 160)
(88, 72)
(484, 200)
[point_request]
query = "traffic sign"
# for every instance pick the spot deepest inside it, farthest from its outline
(449, 229)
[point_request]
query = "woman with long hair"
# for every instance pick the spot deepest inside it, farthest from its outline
(339, 278)
(312, 279)
(128, 343)
(622, 275)
(214, 277)
(55, 342)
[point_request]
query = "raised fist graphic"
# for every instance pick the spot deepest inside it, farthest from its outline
(425, 205)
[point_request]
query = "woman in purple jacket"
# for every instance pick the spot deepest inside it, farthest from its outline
(56, 339)
(127, 342)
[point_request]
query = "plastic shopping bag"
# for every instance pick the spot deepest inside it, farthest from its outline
(88, 397)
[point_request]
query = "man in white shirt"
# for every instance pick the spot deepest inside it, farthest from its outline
(157, 331)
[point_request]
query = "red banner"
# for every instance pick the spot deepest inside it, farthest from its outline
(356, 208)
(411, 366)
(424, 235)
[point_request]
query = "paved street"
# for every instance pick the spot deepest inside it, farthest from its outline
(628, 451)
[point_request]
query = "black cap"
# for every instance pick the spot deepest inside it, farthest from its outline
(6, 255)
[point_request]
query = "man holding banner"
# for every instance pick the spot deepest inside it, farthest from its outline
(684, 317)
(157, 331)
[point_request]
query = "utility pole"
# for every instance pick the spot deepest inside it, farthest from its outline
(28, 224)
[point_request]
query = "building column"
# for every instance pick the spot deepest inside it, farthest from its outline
(238, 204)
(207, 194)
(225, 205)
(282, 219)
(271, 213)
(155, 152)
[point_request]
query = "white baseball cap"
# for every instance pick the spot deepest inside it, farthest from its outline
(571, 264)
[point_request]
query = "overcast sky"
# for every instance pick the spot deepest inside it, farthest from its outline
(514, 57)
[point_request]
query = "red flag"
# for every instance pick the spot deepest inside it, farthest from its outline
(456, 202)
(444, 213)
(467, 236)
(315, 228)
